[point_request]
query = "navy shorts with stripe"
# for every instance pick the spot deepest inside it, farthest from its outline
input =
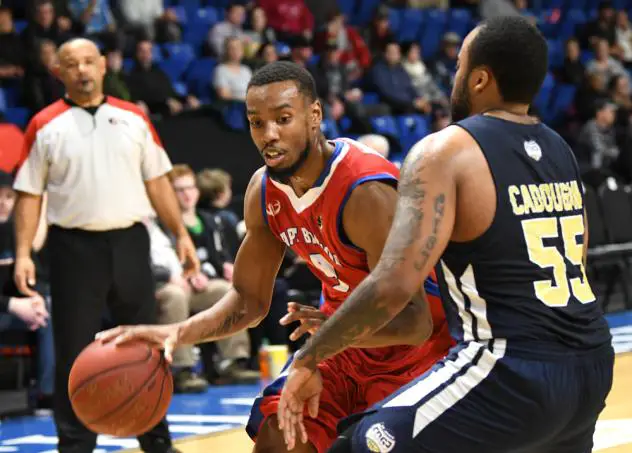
(480, 400)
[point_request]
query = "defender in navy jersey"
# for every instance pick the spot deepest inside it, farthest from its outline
(495, 201)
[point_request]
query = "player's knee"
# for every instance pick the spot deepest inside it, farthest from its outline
(270, 439)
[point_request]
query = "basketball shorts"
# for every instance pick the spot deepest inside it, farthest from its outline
(353, 381)
(480, 400)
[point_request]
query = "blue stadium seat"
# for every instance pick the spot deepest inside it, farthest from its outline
(17, 115)
(562, 99)
(329, 128)
(190, 6)
(460, 21)
(3, 100)
(412, 128)
(179, 50)
(365, 12)
(370, 98)
(410, 25)
(235, 116)
(181, 88)
(385, 125)
(572, 20)
(12, 93)
(432, 32)
(128, 64)
(179, 57)
(199, 76)
(181, 14)
(543, 98)
(156, 53)
(556, 53)
(282, 48)
(395, 19)
(347, 7)
(19, 25)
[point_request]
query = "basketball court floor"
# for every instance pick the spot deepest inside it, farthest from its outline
(214, 421)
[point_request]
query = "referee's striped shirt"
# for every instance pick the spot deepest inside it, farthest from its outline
(92, 162)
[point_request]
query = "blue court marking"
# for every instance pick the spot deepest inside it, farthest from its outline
(219, 409)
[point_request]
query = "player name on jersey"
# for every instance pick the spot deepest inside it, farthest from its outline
(551, 197)
(291, 236)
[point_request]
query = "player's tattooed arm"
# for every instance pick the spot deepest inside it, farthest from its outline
(369, 232)
(422, 227)
(247, 302)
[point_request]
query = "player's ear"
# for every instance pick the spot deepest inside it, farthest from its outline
(316, 113)
(480, 78)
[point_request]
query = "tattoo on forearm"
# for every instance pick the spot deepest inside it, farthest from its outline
(369, 308)
(226, 326)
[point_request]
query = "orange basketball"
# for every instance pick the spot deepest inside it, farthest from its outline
(120, 390)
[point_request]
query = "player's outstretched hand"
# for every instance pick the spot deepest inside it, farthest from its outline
(302, 386)
(161, 337)
(310, 318)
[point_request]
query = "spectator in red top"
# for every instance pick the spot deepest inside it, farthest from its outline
(354, 53)
(288, 18)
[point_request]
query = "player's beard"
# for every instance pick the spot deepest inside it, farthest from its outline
(283, 175)
(460, 104)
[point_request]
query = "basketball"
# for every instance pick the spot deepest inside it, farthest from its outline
(120, 390)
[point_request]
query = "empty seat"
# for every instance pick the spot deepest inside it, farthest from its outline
(385, 125)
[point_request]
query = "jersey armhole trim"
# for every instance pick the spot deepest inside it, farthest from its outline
(431, 287)
(383, 177)
(263, 198)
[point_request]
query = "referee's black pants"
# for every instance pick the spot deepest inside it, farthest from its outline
(89, 272)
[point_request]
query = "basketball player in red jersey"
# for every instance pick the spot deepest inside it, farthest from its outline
(333, 203)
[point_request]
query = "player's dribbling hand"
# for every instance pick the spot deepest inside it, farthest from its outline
(302, 386)
(160, 337)
(310, 318)
(24, 275)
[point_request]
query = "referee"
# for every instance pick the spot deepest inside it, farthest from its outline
(101, 163)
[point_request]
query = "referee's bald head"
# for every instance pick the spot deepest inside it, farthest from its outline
(81, 69)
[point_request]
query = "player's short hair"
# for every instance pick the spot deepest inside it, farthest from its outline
(180, 170)
(213, 182)
(515, 52)
(283, 71)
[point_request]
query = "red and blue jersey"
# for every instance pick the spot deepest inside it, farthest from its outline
(311, 225)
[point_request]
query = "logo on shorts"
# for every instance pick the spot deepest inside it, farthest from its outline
(533, 150)
(379, 439)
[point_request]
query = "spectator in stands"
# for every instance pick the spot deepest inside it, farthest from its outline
(46, 25)
(354, 53)
(42, 87)
(620, 95)
(572, 70)
(216, 194)
(394, 85)
(289, 18)
(421, 77)
(376, 142)
(96, 17)
(444, 66)
(177, 302)
(149, 19)
(216, 270)
(624, 38)
(302, 51)
(266, 54)
(379, 33)
(231, 27)
(259, 32)
(32, 311)
(232, 76)
(601, 28)
(605, 64)
(12, 53)
(597, 149)
(114, 83)
(593, 89)
(148, 83)
(332, 86)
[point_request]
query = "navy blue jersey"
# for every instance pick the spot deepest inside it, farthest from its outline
(523, 280)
